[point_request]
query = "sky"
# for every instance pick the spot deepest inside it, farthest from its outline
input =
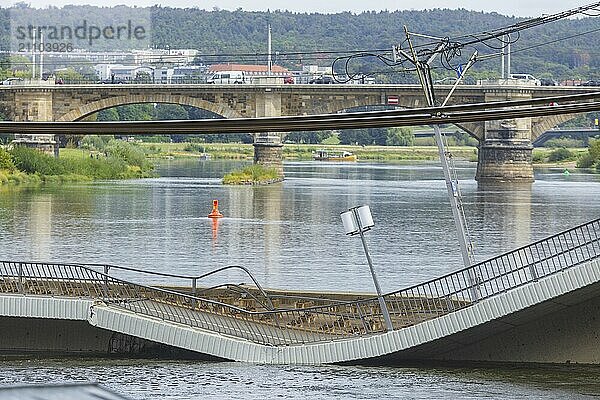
(518, 8)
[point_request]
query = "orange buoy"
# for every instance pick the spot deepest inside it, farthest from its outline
(215, 211)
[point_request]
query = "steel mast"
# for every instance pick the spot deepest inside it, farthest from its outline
(423, 70)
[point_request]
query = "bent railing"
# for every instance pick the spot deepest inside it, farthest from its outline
(320, 319)
(264, 301)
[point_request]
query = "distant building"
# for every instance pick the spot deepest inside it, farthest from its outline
(119, 72)
(173, 56)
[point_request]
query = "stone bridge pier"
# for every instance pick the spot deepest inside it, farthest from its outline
(268, 146)
(35, 106)
(505, 146)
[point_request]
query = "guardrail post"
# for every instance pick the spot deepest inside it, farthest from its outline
(20, 282)
(534, 275)
(194, 292)
(105, 284)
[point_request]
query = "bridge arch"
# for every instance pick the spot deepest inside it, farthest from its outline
(474, 129)
(84, 110)
(542, 124)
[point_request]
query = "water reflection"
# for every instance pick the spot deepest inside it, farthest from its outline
(508, 207)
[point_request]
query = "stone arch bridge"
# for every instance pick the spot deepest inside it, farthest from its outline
(504, 146)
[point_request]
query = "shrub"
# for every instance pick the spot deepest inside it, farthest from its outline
(560, 154)
(52, 169)
(6, 160)
(95, 142)
(586, 161)
(564, 142)
(33, 161)
(538, 157)
(594, 149)
(130, 153)
(194, 147)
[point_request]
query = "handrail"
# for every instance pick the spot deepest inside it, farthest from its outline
(488, 261)
(341, 319)
(194, 279)
(241, 288)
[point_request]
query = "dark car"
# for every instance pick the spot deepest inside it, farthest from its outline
(548, 82)
(324, 79)
(112, 81)
(591, 83)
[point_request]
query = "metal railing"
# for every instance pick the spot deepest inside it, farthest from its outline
(261, 297)
(313, 319)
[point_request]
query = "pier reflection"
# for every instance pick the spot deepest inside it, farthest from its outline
(503, 211)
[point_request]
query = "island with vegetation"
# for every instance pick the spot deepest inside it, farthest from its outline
(256, 174)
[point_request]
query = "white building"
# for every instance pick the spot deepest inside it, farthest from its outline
(172, 56)
(120, 72)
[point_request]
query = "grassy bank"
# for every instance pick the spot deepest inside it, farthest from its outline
(119, 161)
(303, 152)
(237, 151)
(225, 151)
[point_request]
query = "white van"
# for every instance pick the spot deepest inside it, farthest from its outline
(526, 79)
(227, 77)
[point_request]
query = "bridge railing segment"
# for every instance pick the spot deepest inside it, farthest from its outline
(312, 320)
(497, 275)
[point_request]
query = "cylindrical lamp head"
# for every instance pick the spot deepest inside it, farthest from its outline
(365, 218)
(350, 226)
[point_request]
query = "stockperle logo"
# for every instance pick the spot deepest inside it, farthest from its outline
(62, 30)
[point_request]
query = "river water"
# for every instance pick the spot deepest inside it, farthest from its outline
(290, 236)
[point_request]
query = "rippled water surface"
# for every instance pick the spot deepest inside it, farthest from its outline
(290, 236)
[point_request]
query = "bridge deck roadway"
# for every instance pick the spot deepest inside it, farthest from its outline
(547, 320)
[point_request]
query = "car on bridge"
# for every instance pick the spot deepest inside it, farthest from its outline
(111, 81)
(323, 79)
(525, 79)
(591, 83)
(12, 81)
(226, 77)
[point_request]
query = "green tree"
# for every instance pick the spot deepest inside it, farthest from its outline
(594, 149)
(402, 136)
(164, 112)
(560, 154)
(355, 136)
(136, 112)
(69, 75)
(312, 137)
(592, 157)
(108, 114)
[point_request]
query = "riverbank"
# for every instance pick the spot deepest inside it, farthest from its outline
(542, 157)
(302, 152)
(121, 160)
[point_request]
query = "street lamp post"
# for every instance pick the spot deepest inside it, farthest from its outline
(357, 221)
